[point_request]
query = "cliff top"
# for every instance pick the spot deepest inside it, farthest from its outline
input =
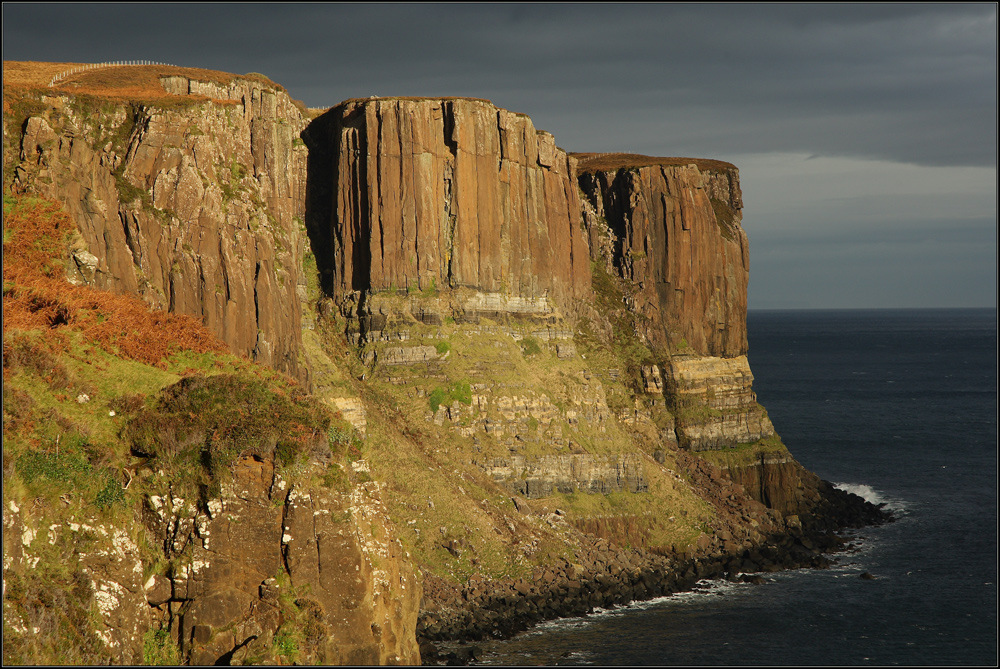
(422, 98)
(418, 98)
(606, 162)
(112, 81)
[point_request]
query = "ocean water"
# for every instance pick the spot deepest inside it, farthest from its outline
(897, 405)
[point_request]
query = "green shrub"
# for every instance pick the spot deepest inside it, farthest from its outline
(530, 346)
(335, 477)
(286, 643)
(341, 433)
(158, 649)
(442, 347)
(128, 192)
(65, 468)
(460, 391)
(286, 453)
(210, 421)
(437, 397)
(111, 494)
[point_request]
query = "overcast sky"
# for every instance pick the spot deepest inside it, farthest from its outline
(866, 135)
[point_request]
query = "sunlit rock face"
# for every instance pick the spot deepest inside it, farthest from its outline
(437, 193)
(677, 236)
(195, 205)
(671, 229)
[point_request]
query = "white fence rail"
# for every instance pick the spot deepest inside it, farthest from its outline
(94, 66)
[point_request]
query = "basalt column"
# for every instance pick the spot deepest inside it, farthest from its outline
(451, 193)
(679, 241)
(675, 236)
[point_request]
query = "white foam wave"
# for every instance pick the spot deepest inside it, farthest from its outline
(702, 589)
(871, 495)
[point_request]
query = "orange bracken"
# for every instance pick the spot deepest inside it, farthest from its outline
(37, 295)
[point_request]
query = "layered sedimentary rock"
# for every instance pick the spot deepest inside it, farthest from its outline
(193, 203)
(677, 238)
(540, 477)
(437, 193)
(715, 404)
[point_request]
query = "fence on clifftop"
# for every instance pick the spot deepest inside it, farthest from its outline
(95, 66)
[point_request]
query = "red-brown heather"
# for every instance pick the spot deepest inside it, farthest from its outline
(37, 295)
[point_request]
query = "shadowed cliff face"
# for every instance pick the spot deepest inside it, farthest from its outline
(678, 239)
(195, 206)
(436, 193)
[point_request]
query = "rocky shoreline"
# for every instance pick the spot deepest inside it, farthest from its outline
(607, 576)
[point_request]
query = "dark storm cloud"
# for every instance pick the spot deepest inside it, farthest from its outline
(915, 83)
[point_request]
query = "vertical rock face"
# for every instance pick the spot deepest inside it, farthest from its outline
(673, 232)
(196, 206)
(435, 193)
(679, 240)
(263, 540)
(356, 572)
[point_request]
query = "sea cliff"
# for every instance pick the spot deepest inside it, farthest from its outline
(509, 382)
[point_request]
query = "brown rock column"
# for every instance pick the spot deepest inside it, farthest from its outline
(452, 193)
(680, 242)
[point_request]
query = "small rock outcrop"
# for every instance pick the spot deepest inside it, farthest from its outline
(540, 477)
(331, 552)
(715, 403)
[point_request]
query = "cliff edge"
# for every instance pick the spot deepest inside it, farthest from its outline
(520, 385)
(190, 194)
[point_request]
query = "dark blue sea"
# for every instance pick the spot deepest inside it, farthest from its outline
(897, 405)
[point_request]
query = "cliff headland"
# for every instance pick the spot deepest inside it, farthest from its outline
(419, 375)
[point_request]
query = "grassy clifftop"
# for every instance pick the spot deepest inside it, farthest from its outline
(116, 82)
(607, 162)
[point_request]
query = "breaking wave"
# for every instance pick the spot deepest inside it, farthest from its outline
(873, 496)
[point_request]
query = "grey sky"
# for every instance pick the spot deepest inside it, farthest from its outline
(866, 134)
